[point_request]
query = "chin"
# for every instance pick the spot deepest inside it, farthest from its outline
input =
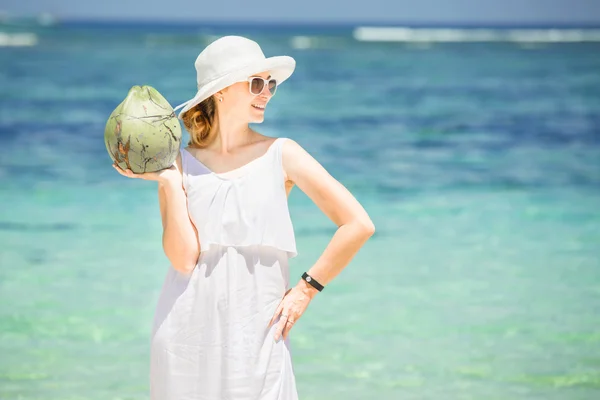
(257, 120)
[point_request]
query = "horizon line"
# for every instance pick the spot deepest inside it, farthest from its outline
(341, 23)
(306, 22)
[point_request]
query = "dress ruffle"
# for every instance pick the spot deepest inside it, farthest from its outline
(244, 207)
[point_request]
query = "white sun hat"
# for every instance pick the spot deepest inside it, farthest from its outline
(232, 59)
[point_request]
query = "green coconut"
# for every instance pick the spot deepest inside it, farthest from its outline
(143, 133)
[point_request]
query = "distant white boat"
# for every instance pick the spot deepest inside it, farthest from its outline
(432, 35)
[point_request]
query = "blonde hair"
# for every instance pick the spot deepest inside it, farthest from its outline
(199, 121)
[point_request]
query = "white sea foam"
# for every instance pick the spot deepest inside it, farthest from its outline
(412, 35)
(18, 39)
(301, 42)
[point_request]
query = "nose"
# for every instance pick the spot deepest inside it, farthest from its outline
(266, 93)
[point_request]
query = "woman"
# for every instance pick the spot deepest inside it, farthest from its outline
(226, 302)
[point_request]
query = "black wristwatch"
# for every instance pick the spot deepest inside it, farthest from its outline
(312, 282)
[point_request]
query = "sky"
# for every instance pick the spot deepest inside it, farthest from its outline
(409, 11)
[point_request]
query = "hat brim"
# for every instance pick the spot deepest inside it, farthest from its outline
(280, 68)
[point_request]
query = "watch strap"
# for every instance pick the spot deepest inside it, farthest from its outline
(312, 282)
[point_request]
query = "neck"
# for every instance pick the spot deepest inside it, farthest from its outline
(231, 133)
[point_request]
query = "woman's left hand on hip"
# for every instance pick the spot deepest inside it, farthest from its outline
(290, 309)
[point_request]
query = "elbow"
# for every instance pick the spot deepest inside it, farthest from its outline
(367, 227)
(184, 269)
(186, 265)
(182, 256)
(183, 261)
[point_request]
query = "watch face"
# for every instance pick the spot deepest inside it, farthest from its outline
(308, 279)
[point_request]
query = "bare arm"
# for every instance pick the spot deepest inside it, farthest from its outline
(180, 238)
(354, 229)
(354, 225)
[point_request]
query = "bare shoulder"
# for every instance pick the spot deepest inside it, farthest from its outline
(330, 195)
(300, 166)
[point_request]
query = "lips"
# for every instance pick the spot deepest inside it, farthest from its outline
(259, 106)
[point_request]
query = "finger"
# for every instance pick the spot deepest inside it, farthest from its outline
(279, 308)
(280, 326)
(129, 173)
(274, 317)
(288, 327)
(119, 170)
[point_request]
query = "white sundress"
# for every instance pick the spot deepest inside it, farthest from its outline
(210, 336)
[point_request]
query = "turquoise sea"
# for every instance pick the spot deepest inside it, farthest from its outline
(478, 161)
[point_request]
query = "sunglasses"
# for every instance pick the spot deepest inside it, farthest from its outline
(257, 84)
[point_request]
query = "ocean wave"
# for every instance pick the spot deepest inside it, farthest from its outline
(425, 35)
(25, 39)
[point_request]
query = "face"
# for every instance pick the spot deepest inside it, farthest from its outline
(238, 99)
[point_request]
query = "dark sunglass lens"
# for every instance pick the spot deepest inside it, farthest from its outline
(272, 86)
(256, 85)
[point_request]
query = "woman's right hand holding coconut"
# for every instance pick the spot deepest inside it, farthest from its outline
(167, 175)
(144, 135)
